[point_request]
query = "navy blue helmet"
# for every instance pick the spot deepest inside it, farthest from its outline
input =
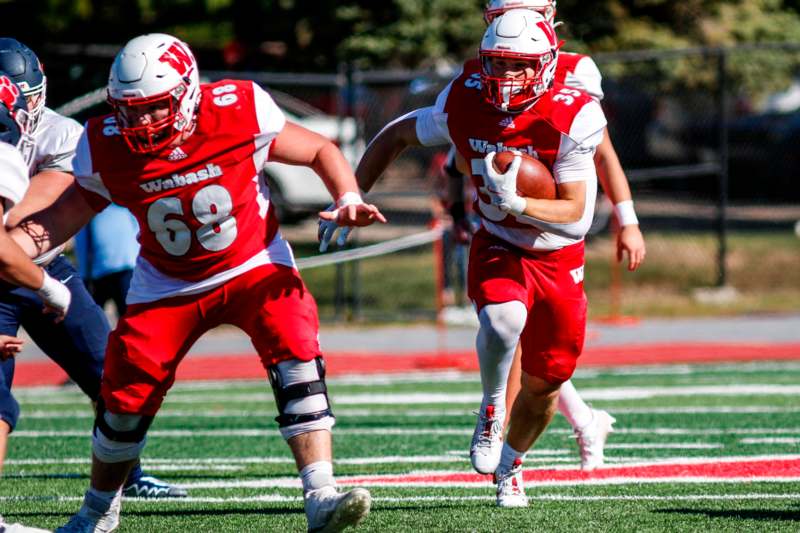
(13, 111)
(24, 68)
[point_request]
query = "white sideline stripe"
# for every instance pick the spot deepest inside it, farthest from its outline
(279, 498)
(415, 413)
(670, 446)
(784, 440)
(254, 432)
(471, 398)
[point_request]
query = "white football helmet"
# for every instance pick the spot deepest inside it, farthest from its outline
(518, 35)
(495, 8)
(152, 71)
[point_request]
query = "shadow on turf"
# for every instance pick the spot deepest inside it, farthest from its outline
(747, 514)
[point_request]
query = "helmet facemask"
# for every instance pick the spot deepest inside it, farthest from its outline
(155, 77)
(518, 56)
(513, 93)
(160, 132)
(36, 101)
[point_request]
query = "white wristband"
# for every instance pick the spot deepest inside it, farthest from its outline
(349, 198)
(626, 216)
(517, 205)
(49, 286)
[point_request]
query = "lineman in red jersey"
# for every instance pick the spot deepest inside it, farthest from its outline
(526, 262)
(591, 426)
(185, 159)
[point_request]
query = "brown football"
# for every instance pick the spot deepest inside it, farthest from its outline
(533, 178)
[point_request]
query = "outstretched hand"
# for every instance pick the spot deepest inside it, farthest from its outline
(349, 215)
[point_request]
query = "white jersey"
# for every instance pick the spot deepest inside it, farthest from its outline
(13, 177)
(55, 141)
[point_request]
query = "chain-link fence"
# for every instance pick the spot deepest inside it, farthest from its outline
(708, 138)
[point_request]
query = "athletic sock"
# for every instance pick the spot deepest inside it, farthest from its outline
(572, 406)
(317, 475)
(99, 501)
(509, 457)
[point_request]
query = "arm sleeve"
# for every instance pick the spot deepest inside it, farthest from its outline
(271, 122)
(588, 78)
(89, 182)
(59, 148)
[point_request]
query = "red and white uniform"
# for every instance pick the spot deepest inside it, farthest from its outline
(519, 257)
(211, 252)
(203, 208)
(581, 72)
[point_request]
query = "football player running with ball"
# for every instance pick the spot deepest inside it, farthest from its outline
(526, 261)
(591, 426)
(185, 159)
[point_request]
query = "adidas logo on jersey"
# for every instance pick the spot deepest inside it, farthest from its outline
(177, 180)
(507, 123)
(484, 147)
(177, 154)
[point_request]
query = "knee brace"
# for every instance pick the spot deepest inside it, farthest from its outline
(302, 396)
(118, 437)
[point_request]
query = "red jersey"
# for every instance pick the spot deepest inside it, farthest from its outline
(203, 208)
(562, 124)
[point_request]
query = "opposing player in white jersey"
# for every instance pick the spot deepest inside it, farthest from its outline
(186, 160)
(591, 426)
(526, 262)
(16, 268)
(78, 343)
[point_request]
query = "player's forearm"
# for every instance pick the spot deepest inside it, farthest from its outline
(554, 211)
(384, 149)
(44, 230)
(610, 173)
(16, 267)
(45, 188)
(335, 171)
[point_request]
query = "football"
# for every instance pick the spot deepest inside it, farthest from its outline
(533, 178)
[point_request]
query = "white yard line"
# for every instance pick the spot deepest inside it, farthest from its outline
(43, 414)
(784, 440)
(279, 498)
(259, 432)
(470, 398)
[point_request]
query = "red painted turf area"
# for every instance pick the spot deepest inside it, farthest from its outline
(247, 366)
(788, 469)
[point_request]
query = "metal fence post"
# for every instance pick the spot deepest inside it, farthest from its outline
(724, 118)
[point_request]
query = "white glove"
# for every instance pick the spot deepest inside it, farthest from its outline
(502, 188)
(55, 295)
(327, 228)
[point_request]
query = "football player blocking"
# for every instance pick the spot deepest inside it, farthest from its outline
(185, 159)
(526, 262)
(77, 343)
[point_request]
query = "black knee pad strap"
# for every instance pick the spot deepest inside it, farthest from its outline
(285, 394)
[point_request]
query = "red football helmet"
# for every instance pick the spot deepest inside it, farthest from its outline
(495, 8)
(520, 35)
(154, 71)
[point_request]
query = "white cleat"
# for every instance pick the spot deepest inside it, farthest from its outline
(19, 528)
(487, 441)
(87, 520)
(328, 510)
(592, 439)
(510, 489)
